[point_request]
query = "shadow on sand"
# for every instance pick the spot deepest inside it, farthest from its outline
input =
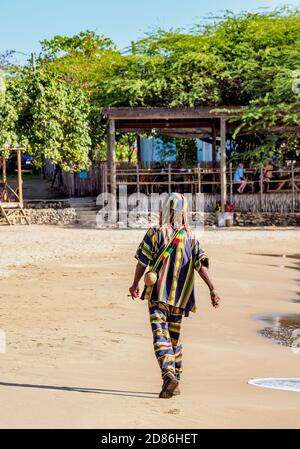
(137, 394)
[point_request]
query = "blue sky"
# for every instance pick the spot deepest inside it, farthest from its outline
(25, 22)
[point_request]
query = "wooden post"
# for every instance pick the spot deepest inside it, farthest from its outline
(102, 178)
(261, 183)
(20, 181)
(199, 178)
(105, 180)
(103, 189)
(169, 178)
(72, 183)
(4, 169)
(4, 177)
(293, 187)
(111, 143)
(223, 164)
(214, 142)
(231, 185)
(138, 180)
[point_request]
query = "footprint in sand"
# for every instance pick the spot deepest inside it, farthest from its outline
(109, 331)
(173, 411)
(116, 340)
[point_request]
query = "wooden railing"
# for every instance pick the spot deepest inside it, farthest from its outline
(203, 180)
(285, 184)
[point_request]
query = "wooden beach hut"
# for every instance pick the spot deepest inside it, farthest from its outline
(199, 122)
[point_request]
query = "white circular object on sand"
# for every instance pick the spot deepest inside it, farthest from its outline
(278, 383)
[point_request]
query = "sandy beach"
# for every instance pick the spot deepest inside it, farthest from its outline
(79, 351)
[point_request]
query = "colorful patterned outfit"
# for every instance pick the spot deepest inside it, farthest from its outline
(173, 294)
(175, 284)
(166, 323)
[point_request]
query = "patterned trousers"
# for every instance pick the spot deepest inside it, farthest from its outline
(166, 323)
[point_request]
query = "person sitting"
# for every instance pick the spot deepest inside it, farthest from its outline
(239, 177)
(229, 207)
(218, 207)
(158, 166)
(268, 174)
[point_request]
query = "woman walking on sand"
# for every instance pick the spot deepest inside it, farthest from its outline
(173, 255)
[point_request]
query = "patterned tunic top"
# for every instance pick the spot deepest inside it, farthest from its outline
(175, 283)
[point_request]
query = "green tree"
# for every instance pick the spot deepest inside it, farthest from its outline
(47, 115)
(86, 43)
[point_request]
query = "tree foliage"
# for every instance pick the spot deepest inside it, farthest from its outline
(47, 115)
(250, 61)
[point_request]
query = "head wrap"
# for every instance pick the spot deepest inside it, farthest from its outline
(174, 208)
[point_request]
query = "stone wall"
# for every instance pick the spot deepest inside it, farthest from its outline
(266, 219)
(67, 216)
(256, 219)
(48, 216)
(251, 219)
(52, 216)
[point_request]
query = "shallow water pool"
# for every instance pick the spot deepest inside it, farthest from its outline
(287, 384)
